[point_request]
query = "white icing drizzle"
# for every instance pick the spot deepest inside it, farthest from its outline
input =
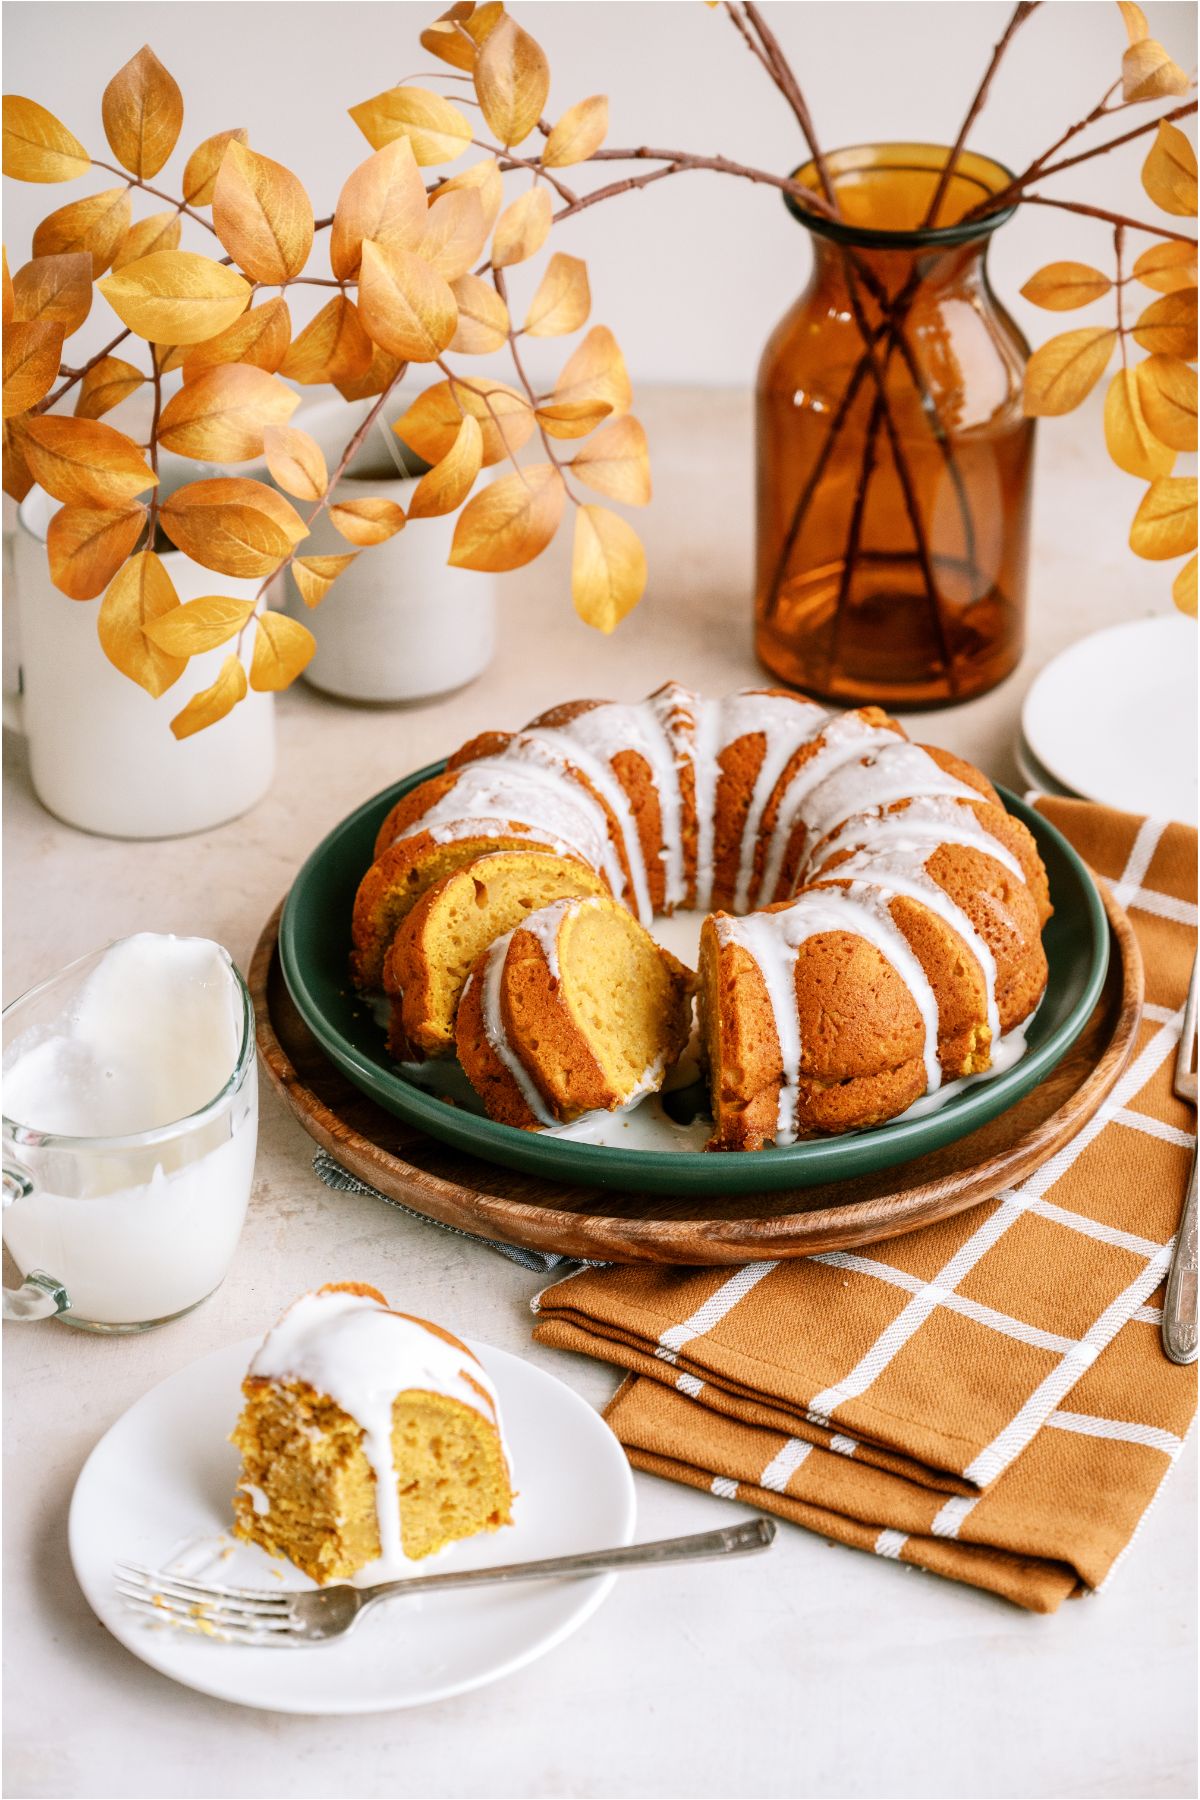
(497, 1036)
(357, 1353)
(774, 939)
(785, 724)
(930, 821)
(601, 733)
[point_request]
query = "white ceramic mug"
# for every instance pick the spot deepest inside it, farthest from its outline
(400, 624)
(101, 753)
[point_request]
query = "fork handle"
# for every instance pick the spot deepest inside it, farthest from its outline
(1179, 1307)
(703, 1546)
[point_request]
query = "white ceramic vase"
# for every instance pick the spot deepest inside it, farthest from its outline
(399, 624)
(101, 753)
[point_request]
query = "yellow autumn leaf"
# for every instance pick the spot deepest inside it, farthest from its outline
(1167, 389)
(578, 134)
(563, 299)
(55, 287)
(213, 703)
(368, 521)
(37, 146)
(512, 80)
(95, 224)
(296, 462)
(83, 463)
(448, 41)
(260, 337)
(1060, 286)
(616, 462)
(86, 545)
(315, 575)
(282, 648)
(32, 352)
(142, 109)
(159, 232)
(332, 347)
(572, 418)
(1164, 525)
(437, 131)
(199, 625)
(140, 592)
(430, 426)
(1169, 172)
(511, 521)
(1148, 73)
(1135, 21)
(406, 306)
(608, 568)
(522, 228)
(448, 483)
(595, 372)
(483, 178)
(17, 475)
(1167, 267)
(105, 385)
(384, 200)
(10, 304)
(232, 524)
(222, 414)
(1168, 326)
(200, 170)
(1131, 443)
(1064, 371)
(176, 297)
(482, 317)
(1183, 588)
(382, 370)
(262, 214)
(455, 234)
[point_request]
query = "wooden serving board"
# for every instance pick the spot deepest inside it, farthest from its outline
(458, 1189)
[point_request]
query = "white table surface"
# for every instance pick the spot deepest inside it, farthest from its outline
(815, 1670)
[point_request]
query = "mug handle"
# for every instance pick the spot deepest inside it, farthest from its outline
(39, 1296)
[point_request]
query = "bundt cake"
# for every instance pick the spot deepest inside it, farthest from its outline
(452, 923)
(367, 1436)
(876, 913)
(576, 1010)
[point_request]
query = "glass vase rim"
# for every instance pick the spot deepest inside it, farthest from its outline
(871, 237)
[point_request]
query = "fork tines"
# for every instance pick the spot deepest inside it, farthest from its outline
(236, 1615)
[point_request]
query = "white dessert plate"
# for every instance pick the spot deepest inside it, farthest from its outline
(1034, 773)
(157, 1488)
(1113, 718)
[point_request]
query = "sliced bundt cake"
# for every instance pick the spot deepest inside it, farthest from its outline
(453, 922)
(366, 1436)
(576, 1010)
(877, 913)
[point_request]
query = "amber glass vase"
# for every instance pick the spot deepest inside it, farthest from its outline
(894, 459)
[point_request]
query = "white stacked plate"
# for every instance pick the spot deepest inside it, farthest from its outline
(1113, 719)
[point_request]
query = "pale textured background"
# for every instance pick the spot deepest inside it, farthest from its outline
(692, 273)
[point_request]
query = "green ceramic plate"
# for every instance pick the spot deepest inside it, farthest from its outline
(314, 940)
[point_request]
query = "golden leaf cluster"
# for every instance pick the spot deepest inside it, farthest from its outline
(1150, 402)
(417, 267)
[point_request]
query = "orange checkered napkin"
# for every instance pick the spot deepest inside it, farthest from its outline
(988, 1398)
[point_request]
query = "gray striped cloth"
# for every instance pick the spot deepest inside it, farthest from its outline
(540, 1261)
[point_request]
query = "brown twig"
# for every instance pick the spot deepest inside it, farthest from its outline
(180, 206)
(508, 159)
(1019, 15)
(1110, 218)
(1119, 284)
(152, 515)
(789, 87)
(854, 533)
(74, 375)
(1042, 168)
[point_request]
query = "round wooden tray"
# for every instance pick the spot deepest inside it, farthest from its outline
(459, 1189)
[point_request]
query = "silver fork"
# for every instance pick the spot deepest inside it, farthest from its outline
(1179, 1307)
(259, 1617)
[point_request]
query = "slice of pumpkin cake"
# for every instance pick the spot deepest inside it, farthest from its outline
(575, 1010)
(367, 1436)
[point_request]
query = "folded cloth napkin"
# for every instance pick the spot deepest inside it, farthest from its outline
(987, 1398)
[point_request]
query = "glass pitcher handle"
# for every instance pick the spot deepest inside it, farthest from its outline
(39, 1296)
